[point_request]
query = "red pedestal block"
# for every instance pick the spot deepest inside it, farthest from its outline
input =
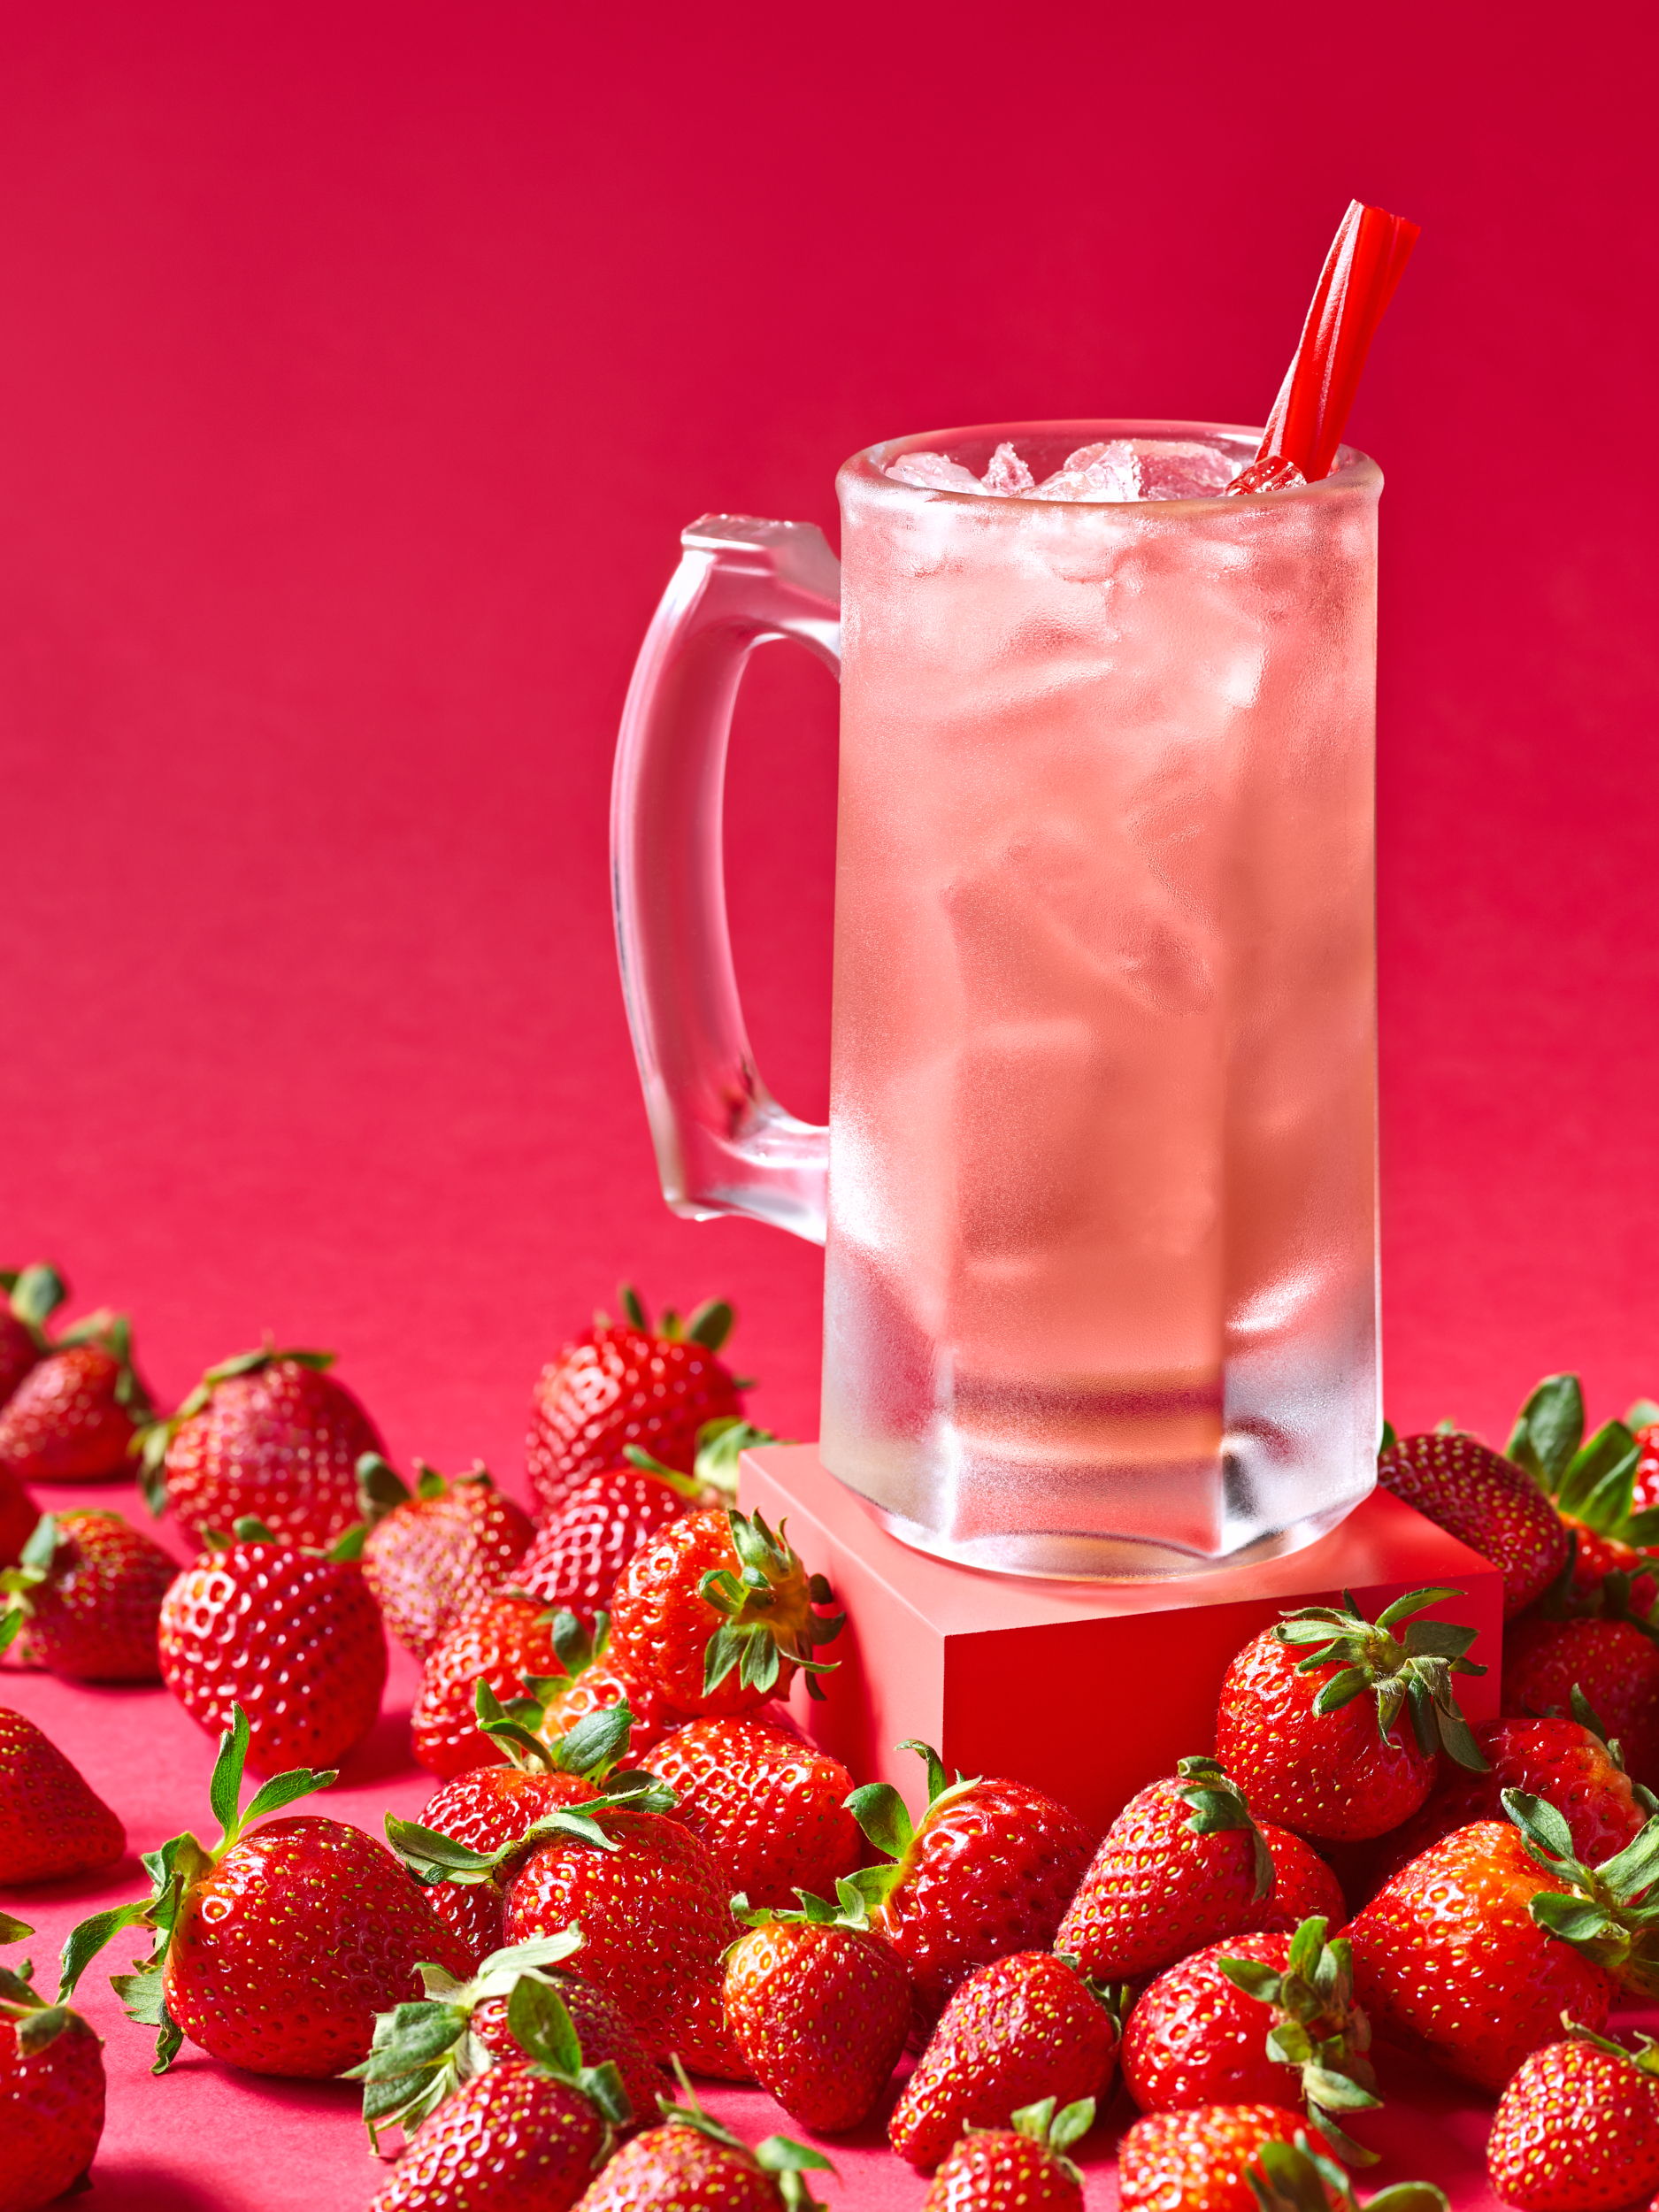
(1088, 1690)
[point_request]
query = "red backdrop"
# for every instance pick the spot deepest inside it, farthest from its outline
(360, 366)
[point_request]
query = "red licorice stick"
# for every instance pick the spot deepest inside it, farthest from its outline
(1366, 261)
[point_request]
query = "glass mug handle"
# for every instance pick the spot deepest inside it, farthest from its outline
(724, 1145)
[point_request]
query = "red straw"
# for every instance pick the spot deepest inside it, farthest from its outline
(1366, 260)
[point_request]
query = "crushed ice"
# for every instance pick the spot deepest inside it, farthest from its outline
(1114, 469)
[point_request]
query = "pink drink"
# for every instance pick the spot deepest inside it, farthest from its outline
(1101, 1295)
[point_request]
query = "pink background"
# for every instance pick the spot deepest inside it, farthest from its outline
(360, 367)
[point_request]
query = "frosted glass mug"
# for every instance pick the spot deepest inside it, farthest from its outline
(1098, 1188)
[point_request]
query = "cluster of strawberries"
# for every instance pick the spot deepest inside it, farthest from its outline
(635, 1859)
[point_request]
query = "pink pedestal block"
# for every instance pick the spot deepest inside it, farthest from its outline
(1088, 1690)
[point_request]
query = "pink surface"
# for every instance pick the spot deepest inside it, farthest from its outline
(976, 1664)
(206, 2138)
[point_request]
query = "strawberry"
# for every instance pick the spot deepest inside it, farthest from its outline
(1642, 1420)
(431, 1557)
(51, 2089)
(1312, 1741)
(29, 1296)
(1578, 2126)
(267, 1436)
(86, 1595)
(75, 1414)
(1612, 1658)
(518, 1648)
(1264, 2019)
(590, 1538)
(625, 1384)
(1484, 1500)
(1025, 2027)
(652, 1909)
(1200, 2160)
(489, 1809)
(52, 1823)
(1456, 1954)
(1183, 1864)
(289, 1635)
(1004, 2170)
(988, 1872)
(506, 1641)
(275, 1950)
(693, 2164)
(819, 2005)
(772, 1808)
(718, 1613)
(1567, 1763)
(528, 2132)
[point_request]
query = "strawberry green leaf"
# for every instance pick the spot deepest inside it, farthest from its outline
(1547, 1429)
(88, 1939)
(595, 1742)
(284, 1789)
(777, 2155)
(223, 1791)
(1642, 1415)
(14, 1930)
(1548, 1838)
(349, 1544)
(884, 1816)
(1414, 1602)
(36, 1295)
(542, 2026)
(1341, 1690)
(1571, 1918)
(381, 1488)
(1390, 1438)
(628, 1299)
(39, 2027)
(710, 1323)
(938, 1780)
(1071, 2123)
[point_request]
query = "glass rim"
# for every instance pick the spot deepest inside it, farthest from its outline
(1352, 469)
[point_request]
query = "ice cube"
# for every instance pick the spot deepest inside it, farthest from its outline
(932, 473)
(1111, 470)
(1181, 468)
(1007, 475)
(1274, 474)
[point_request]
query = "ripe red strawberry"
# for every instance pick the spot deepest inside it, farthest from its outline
(267, 1436)
(590, 1538)
(1578, 2126)
(519, 1649)
(74, 1416)
(989, 1871)
(1613, 1662)
(27, 1297)
(529, 2132)
(1317, 1741)
(490, 1808)
(1486, 1502)
(505, 1640)
(1450, 1953)
(1184, 1865)
(693, 2164)
(819, 2005)
(655, 1922)
(1262, 2019)
(1643, 1422)
(772, 1808)
(275, 1950)
(424, 2052)
(1005, 2169)
(1566, 1763)
(1200, 2159)
(51, 2091)
(685, 1620)
(86, 1597)
(290, 1635)
(431, 1557)
(1021, 2029)
(624, 1383)
(52, 1822)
